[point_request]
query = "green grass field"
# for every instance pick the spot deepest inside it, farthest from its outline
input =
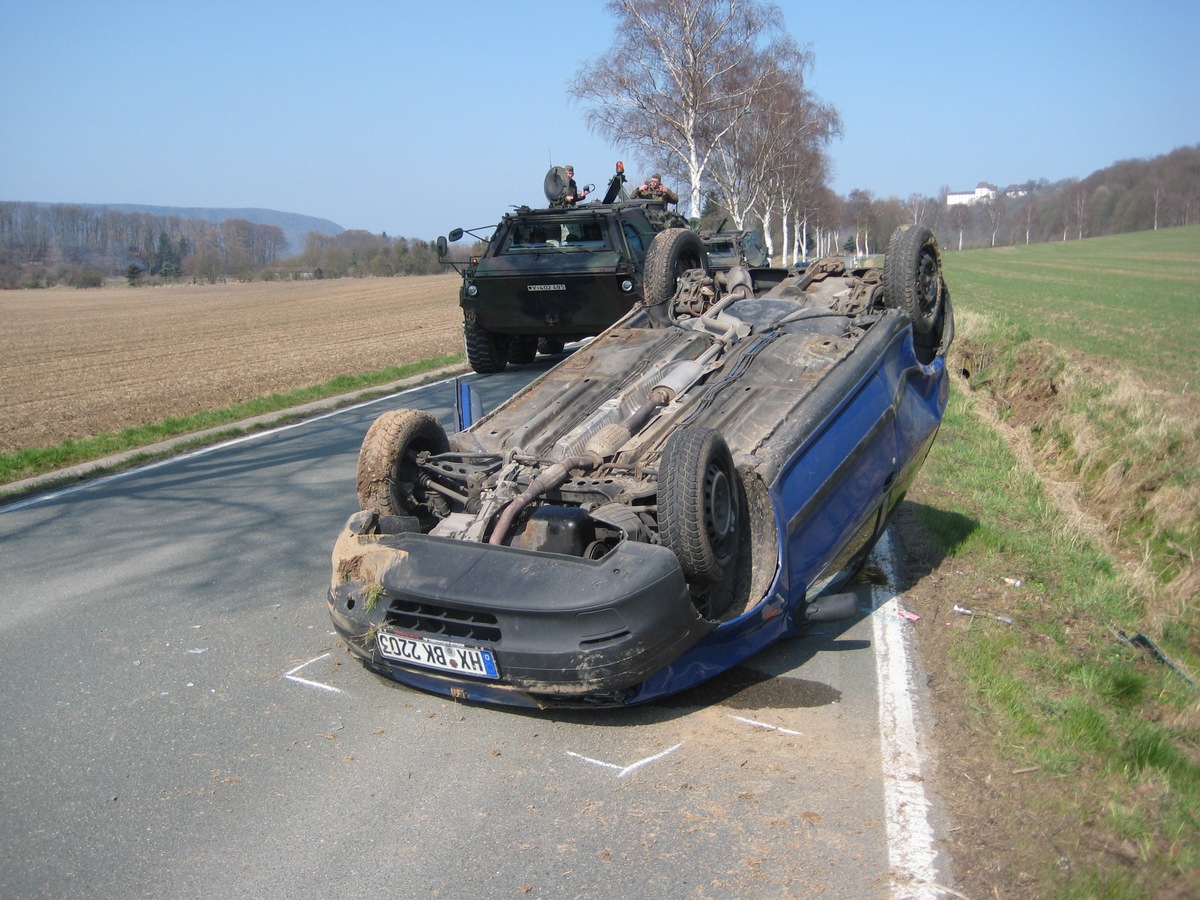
(1131, 298)
(1094, 348)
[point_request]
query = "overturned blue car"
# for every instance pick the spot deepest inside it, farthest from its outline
(689, 487)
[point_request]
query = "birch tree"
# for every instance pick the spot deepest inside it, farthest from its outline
(994, 210)
(752, 160)
(800, 184)
(858, 205)
(960, 218)
(827, 213)
(917, 206)
(679, 75)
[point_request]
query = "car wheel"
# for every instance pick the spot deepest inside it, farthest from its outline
(487, 352)
(550, 346)
(388, 477)
(927, 346)
(699, 503)
(672, 252)
(522, 349)
(912, 276)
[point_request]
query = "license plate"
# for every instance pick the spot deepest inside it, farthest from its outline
(441, 655)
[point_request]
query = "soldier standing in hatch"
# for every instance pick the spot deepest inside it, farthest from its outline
(573, 195)
(654, 189)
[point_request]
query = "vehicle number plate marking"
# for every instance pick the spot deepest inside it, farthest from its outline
(546, 287)
(441, 655)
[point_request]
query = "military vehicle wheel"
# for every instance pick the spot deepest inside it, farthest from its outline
(699, 503)
(672, 252)
(487, 352)
(550, 346)
(522, 349)
(388, 477)
(912, 276)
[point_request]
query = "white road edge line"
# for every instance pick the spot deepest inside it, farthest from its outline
(911, 848)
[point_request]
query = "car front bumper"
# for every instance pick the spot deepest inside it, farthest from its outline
(561, 629)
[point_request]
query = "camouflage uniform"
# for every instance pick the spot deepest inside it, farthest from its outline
(657, 191)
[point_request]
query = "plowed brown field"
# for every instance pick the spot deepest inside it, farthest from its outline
(79, 362)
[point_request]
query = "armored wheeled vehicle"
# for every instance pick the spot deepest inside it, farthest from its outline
(726, 247)
(554, 275)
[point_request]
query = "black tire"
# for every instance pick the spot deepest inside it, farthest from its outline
(522, 349)
(672, 252)
(550, 346)
(912, 276)
(387, 473)
(699, 503)
(487, 352)
(941, 336)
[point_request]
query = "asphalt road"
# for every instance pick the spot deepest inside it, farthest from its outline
(180, 721)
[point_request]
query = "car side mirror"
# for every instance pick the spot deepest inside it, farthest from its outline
(442, 247)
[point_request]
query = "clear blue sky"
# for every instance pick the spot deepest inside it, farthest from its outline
(414, 117)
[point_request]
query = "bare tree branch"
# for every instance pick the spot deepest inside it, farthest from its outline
(680, 75)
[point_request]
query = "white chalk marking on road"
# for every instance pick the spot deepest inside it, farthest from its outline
(316, 684)
(911, 849)
(765, 726)
(622, 771)
(292, 676)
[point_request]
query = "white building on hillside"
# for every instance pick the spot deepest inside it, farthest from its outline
(984, 193)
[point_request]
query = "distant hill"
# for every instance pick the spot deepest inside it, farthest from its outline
(293, 225)
(1130, 195)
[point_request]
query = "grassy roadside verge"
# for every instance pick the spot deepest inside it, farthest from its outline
(1119, 440)
(1105, 739)
(32, 462)
(1060, 501)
